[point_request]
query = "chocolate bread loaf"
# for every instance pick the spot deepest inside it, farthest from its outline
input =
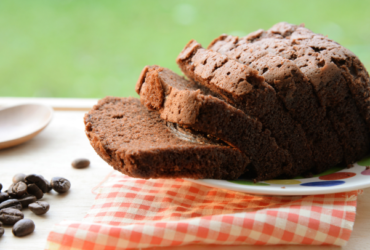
(192, 105)
(137, 142)
(275, 103)
(296, 93)
(245, 89)
(339, 80)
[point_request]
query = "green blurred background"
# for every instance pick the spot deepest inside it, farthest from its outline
(94, 48)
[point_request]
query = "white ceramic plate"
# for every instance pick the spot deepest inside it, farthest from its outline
(332, 181)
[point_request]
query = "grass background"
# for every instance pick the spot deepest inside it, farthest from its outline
(94, 48)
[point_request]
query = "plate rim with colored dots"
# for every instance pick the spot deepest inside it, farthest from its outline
(334, 180)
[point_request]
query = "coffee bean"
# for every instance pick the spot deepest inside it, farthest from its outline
(60, 184)
(4, 197)
(11, 203)
(18, 189)
(19, 177)
(10, 191)
(39, 180)
(9, 216)
(26, 200)
(2, 230)
(39, 207)
(33, 189)
(81, 163)
(47, 184)
(23, 227)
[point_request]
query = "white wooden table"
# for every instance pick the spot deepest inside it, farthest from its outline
(51, 153)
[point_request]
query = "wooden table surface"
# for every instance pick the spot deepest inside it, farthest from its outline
(51, 153)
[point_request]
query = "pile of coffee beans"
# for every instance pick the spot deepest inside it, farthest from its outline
(24, 192)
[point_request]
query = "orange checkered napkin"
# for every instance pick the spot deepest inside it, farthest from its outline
(135, 213)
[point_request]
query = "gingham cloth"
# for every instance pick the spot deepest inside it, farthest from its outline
(135, 213)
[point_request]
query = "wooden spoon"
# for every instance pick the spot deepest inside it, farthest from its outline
(21, 123)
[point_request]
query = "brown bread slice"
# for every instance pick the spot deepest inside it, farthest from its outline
(186, 103)
(137, 142)
(244, 88)
(339, 79)
(295, 91)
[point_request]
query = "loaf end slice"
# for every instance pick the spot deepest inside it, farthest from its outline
(339, 80)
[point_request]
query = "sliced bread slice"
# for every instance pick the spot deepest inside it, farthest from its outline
(138, 143)
(245, 89)
(191, 105)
